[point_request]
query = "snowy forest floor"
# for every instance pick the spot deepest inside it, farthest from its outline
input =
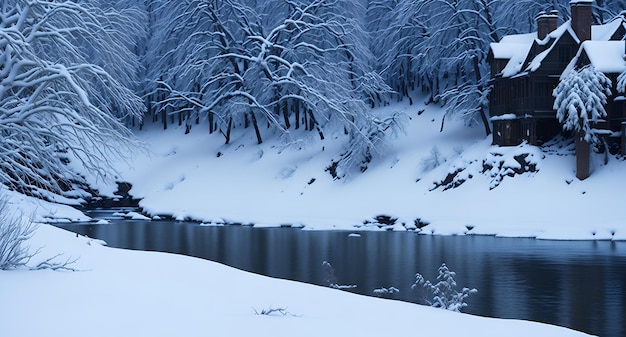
(454, 181)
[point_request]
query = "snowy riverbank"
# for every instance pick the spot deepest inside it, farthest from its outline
(196, 176)
(129, 293)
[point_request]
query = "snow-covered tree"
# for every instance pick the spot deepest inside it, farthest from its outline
(279, 67)
(519, 17)
(579, 102)
(621, 82)
(64, 71)
(397, 27)
(303, 65)
(367, 143)
(443, 294)
(440, 47)
(456, 51)
(607, 9)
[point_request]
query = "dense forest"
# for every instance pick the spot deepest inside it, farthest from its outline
(77, 76)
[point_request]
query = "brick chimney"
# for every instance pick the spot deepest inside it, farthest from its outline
(582, 16)
(546, 23)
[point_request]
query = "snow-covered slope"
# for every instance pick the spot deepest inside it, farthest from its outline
(197, 176)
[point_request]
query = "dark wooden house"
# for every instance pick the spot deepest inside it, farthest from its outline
(526, 68)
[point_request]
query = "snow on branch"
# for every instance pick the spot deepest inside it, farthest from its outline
(64, 74)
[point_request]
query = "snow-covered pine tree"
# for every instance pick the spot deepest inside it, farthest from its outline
(579, 101)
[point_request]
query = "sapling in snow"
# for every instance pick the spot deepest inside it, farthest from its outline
(331, 279)
(15, 253)
(432, 161)
(443, 294)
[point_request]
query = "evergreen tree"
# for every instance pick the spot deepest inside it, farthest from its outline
(580, 98)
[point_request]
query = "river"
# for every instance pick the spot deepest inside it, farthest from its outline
(577, 284)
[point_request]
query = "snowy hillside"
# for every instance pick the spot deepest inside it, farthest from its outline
(453, 180)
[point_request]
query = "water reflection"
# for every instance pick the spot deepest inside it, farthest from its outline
(581, 285)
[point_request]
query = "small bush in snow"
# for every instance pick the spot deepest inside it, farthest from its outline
(14, 232)
(386, 291)
(432, 161)
(443, 294)
(271, 311)
(14, 252)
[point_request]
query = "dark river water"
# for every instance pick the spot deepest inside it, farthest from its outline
(577, 284)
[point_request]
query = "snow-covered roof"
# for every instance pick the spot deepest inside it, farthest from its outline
(605, 31)
(554, 36)
(507, 50)
(558, 33)
(519, 38)
(513, 48)
(581, 1)
(605, 56)
(511, 45)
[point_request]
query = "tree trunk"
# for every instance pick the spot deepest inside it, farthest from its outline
(483, 116)
(256, 128)
(211, 129)
(583, 151)
(227, 134)
(296, 107)
(286, 115)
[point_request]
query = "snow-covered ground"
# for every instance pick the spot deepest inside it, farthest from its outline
(197, 176)
(129, 293)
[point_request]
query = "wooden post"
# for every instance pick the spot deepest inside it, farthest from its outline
(583, 151)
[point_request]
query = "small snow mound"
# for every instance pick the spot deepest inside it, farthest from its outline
(102, 222)
(136, 216)
(98, 242)
(287, 172)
